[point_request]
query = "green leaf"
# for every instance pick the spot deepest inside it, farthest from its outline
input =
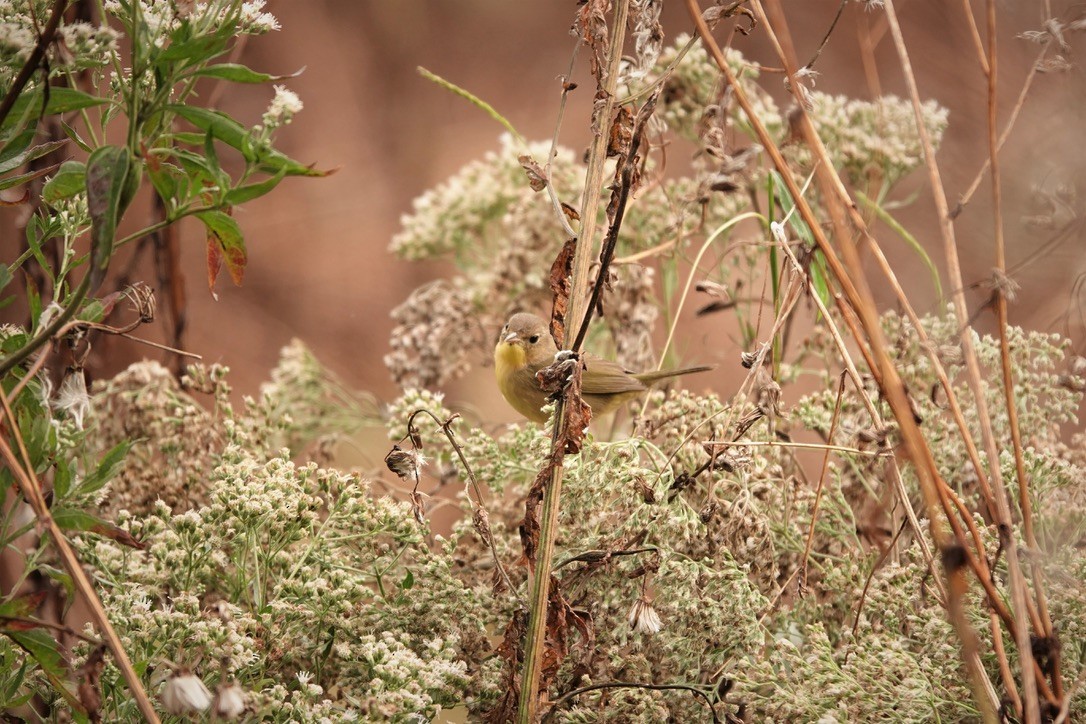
(225, 234)
(233, 134)
(107, 173)
(68, 181)
(408, 581)
(5, 276)
(80, 520)
(11, 181)
(15, 148)
(193, 49)
(62, 479)
(248, 192)
(235, 73)
(108, 468)
(41, 645)
(74, 137)
(61, 100)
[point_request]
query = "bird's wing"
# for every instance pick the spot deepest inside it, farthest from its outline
(604, 377)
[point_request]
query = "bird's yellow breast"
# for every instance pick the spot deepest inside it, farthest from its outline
(516, 382)
(508, 359)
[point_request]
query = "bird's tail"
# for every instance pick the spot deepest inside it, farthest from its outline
(650, 378)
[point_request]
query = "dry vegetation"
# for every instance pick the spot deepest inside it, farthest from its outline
(886, 522)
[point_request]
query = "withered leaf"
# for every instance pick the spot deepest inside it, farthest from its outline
(537, 176)
(511, 652)
(621, 133)
(561, 282)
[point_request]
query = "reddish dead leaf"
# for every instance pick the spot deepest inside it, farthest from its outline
(236, 259)
(560, 616)
(214, 263)
(592, 24)
(537, 177)
(561, 279)
(118, 534)
(571, 213)
(511, 652)
(621, 133)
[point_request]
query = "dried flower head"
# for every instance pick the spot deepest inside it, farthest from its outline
(185, 693)
(643, 617)
(229, 701)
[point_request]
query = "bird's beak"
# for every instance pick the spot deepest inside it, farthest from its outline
(510, 338)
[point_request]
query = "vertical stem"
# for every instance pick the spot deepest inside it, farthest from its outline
(535, 644)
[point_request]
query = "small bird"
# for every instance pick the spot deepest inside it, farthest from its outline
(525, 346)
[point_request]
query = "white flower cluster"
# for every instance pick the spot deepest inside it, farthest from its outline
(282, 108)
(874, 140)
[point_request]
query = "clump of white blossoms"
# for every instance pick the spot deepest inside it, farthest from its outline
(282, 109)
(874, 140)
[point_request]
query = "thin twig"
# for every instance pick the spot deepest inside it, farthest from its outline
(1022, 634)
(1000, 507)
(821, 482)
(1006, 131)
(476, 486)
(559, 211)
(826, 37)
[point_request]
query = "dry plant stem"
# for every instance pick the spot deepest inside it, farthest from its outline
(977, 562)
(535, 642)
(476, 487)
(876, 418)
(48, 33)
(555, 201)
(1001, 509)
(1032, 709)
(31, 492)
(821, 482)
(974, 34)
(597, 157)
(968, 195)
(854, 284)
(1005, 672)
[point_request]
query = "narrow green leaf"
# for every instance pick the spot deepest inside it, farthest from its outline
(235, 73)
(5, 276)
(233, 134)
(248, 192)
(22, 178)
(41, 645)
(108, 468)
(68, 181)
(194, 50)
(61, 100)
(107, 173)
(74, 137)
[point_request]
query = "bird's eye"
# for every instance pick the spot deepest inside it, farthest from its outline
(533, 339)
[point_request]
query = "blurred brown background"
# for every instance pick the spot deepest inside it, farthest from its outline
(319, 267)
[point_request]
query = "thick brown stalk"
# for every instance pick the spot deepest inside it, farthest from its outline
(535, 643)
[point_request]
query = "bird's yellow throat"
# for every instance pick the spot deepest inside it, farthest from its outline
(509, 358)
